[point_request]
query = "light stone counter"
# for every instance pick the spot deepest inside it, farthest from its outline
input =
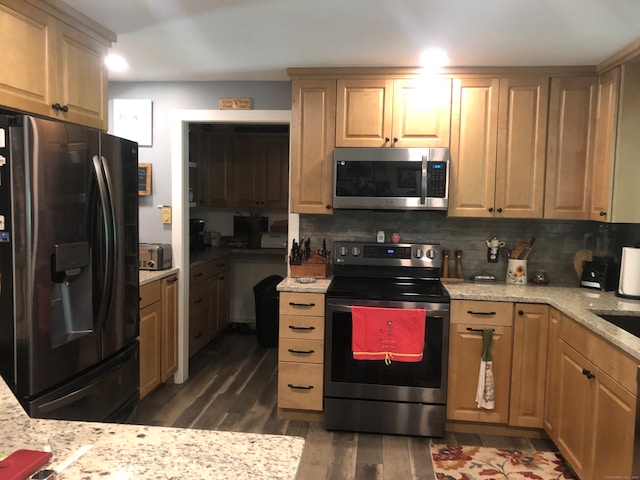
(126, 452)
(290, 284)
(578, 303)
(148, 276)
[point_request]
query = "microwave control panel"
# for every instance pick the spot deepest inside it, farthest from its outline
(437, 179)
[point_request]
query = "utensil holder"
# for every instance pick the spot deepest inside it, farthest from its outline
(516, 272)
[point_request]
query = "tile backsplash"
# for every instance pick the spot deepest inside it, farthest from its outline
(555, 246)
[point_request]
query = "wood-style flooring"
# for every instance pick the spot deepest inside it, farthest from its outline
(232, 386)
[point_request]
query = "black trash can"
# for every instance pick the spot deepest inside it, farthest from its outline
(267, 310)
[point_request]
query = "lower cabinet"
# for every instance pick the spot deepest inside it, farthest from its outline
(591, 406)
(158, 332)
(209, 290)
(468, 319)
(300, 354)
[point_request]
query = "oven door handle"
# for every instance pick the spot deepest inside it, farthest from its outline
(339, 307)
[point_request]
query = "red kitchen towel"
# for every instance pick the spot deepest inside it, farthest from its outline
(388, 333)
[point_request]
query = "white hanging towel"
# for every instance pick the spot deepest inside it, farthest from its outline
(485, 393)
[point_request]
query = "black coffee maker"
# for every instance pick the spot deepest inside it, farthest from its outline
(603, 270)
(196, 234)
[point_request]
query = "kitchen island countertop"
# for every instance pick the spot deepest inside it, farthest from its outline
(128, 452)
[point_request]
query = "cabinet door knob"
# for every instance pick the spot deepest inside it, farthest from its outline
(499, 210)
(386, 139)
(328, 207)
(520, 312)
(603, 213)
(395, 139)
(491, 209)
(588, 374)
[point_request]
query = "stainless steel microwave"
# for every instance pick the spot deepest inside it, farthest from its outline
(391, 178)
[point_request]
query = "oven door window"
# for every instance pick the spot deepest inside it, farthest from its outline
(344, 369)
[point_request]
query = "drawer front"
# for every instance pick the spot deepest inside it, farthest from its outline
(301, 327)
(198, 299)
(220, 265)
(311, 304)
(150, 293)
(302, 351)
(473, 312)
(615, 363)
(300, 386)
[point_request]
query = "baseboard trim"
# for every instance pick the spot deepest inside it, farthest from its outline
(303, 415)
(493, 429)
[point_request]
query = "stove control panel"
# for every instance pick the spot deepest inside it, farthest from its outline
(388, 254)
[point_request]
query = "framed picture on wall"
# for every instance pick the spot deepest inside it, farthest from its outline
(133, 120)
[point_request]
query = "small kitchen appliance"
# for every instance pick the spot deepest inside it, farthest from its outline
(629, 284)
(600, 273)
(154, 256)
(196, 232)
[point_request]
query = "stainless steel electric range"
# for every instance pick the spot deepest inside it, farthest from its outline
(373, 395)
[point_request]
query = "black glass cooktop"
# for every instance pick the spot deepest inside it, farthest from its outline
(393, 289)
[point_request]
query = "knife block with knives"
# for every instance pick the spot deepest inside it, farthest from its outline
(307, 263)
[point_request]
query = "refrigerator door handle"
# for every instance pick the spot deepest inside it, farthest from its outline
(104, 185)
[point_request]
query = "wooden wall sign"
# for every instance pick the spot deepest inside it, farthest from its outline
(144, 179)
(237, 103)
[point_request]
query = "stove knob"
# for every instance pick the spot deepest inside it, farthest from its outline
(343, 251)
(431, 253)
(355, 251)
(417, 253)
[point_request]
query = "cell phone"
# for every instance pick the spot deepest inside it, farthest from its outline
(22, 463)
(45, 475)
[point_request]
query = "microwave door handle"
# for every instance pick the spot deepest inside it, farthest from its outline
(423, 181)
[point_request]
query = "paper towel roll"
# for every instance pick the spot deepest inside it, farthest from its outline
(629, 285)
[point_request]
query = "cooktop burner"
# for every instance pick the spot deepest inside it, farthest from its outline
(388, 271)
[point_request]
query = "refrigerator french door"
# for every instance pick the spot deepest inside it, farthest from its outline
(68, 269)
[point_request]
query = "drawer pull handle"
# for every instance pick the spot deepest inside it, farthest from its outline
(588, 374)
(198, 335)
(199, 274)
(478, 330)
(300, 387)
(200, 300)
(293, 327)
(220, 265)
(471, 312)
(294, 304)
(173, 280)
(291, 350)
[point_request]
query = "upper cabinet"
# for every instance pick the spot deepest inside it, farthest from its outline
(313, 120)
(380, 112)
(572, 106)
(57, 68)
(498, 147)
(615, 194)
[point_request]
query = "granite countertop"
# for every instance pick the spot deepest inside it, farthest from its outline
(131, 452)
(581, 304)
(148, 276)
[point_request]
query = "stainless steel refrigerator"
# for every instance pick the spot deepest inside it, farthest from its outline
(69, 305)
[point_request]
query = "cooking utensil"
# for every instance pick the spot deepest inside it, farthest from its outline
(579, 258)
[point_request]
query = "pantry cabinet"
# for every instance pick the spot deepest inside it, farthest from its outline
(300, 355)
(158, 332)
(468, 319)
(313, 117)
(594, 402)
(209, 302)
(498, 167)
(384, 112)
(615, 193)
(57, 68)
(572, 103)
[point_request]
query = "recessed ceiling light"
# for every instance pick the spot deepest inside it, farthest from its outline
(115, 63)
(434, 58)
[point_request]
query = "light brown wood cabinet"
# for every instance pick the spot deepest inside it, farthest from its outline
(379, 112)
(57, 67)
(511, 182)
(300, 354)
(529, 365)
(209, 290)
(591, 407)
(615, 193)
(313, 117)
(158, 332)
(572, 103)
(468, 319)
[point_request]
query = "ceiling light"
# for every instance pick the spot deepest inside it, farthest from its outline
(115, 63)
(434, 58)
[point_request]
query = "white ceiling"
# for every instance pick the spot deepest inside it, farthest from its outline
(167, 40)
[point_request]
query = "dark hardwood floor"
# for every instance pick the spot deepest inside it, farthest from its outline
(232, 386)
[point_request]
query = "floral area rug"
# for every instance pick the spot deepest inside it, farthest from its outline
(457, 462)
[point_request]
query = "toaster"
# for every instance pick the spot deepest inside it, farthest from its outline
(154, 256)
